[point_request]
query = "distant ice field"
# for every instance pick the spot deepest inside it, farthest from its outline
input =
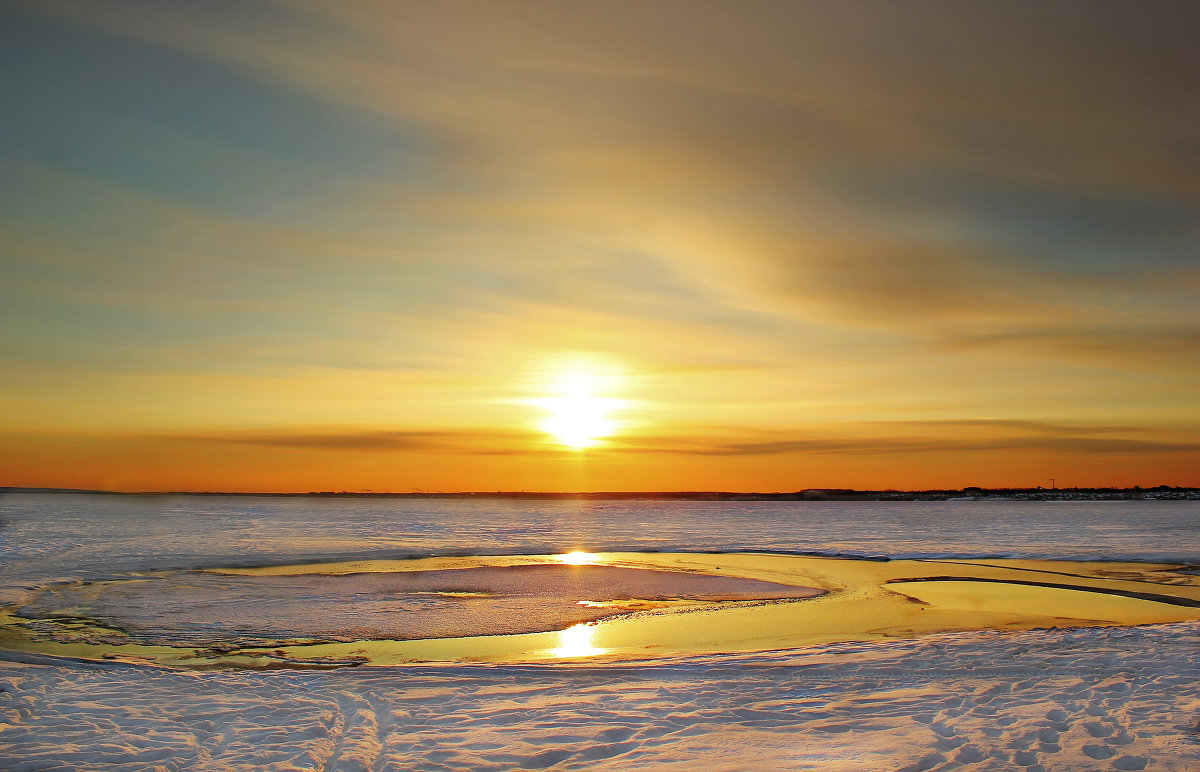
(46, 536)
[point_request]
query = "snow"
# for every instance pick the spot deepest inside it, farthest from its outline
(1097, 699)
(1117, 698)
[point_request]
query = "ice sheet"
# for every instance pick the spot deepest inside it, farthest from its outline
(196, 608)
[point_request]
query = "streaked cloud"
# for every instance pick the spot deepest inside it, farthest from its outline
(871, 438)
(470, 442)
(923, 437)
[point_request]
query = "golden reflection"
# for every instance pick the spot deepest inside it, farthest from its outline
(577, 642)
(578, 558)
(579, 416)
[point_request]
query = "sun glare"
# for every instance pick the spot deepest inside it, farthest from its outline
(578, 558)
(579, 414)
(576, 641)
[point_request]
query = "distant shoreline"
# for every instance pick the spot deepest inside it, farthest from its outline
(1161, 492)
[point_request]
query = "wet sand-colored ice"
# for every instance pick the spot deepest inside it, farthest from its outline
(611, 606)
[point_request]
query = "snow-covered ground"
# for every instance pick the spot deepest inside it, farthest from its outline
(1099, 699)
(1095, 699)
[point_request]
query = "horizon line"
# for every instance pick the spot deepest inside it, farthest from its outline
(802, 493)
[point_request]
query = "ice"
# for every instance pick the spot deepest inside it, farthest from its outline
(196, 608)
(1088, 699)
(90, 537)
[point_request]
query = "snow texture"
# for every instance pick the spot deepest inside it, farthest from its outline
(1098, 699)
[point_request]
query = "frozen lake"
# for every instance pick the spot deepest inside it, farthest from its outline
(1117, 698)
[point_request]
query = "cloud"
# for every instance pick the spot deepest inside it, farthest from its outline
(852, 439)
(472, 442)
(916, 437)
(1173, 348)
(873, 161)
(934, 445)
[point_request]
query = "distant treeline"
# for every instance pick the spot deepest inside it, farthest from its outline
(810, 494)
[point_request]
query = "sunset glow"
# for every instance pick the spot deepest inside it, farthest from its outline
(355, 246)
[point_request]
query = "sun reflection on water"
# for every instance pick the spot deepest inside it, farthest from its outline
(578, 558)
(577, 642)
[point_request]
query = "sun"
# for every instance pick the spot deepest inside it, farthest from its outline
(579, 416)
(578, 421)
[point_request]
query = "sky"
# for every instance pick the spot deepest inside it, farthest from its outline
(761, 246)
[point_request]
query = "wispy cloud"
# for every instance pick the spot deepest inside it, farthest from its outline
(1174, 348)
(936, 436)
(874, 438)
(372, 441)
